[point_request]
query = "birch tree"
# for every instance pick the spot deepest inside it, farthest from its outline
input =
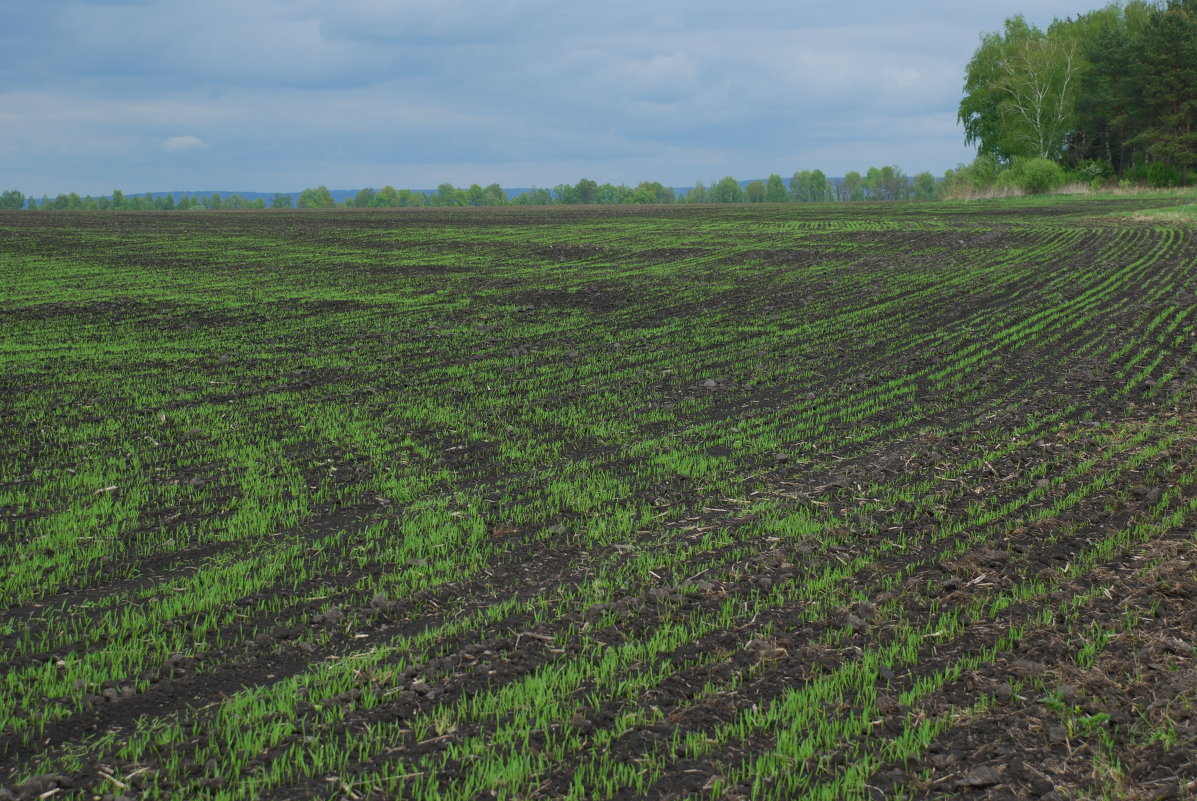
(1020, 91)
(1037, 84)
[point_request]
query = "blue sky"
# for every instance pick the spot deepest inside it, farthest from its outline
(278, 95)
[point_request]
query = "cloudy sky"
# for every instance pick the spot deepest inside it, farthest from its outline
(278, 95)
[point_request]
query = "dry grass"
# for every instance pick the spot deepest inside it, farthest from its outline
(984, 193)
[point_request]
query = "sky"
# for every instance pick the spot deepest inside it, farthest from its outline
(279, 95)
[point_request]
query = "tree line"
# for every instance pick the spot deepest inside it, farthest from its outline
(119, 201)
(1108, 96)
(806, 186)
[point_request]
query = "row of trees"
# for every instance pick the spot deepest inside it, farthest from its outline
(119, 201)
(1112, 93)
(812, 186)
(807, 186)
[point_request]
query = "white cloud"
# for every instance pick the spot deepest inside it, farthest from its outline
(180, 144)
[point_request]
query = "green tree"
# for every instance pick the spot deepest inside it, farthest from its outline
(800, 186)
(534, 197)
(925, 187)
(697, 193)
(775, 190)
(810, 186)
(408, 198)
(607, 194)
(819, 188)
(755, 191)
(638, 196)
(1035, 176)
(886, 183)
(118, 199)
(1166, 73)
(897, 183)
(852, 187)
(386, 198)
(364, 198)
(12, 199)
(1021, 91)
(967, 179)
(318, 198)
(728, 190)
(872, 183)
(657, 191)
(280, 201)
(980, 109)
(585, 192)
(1108, 111)
(493, 195)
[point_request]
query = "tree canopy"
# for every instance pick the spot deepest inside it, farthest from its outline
(1111, 92)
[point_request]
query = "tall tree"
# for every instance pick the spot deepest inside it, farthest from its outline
(873, 184)
(1104, 104)
(534, 197)
(585, 192)
(280, 201)
(318, 198)
(1166, 75)
(385, 198)
(1039, 88)
(12, 199)
(924, 187)
(852, 187)
(608, 194)
(640, 196)
(564, 193)
(727, 191)
(1020, 91)
(887, 183)
(775, 189)
(364, 198)
(800, 186)
(818, 187)
(449, 195)
(410, 199)
(493, 195)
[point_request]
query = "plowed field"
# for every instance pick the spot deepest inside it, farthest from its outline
(843, 501)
